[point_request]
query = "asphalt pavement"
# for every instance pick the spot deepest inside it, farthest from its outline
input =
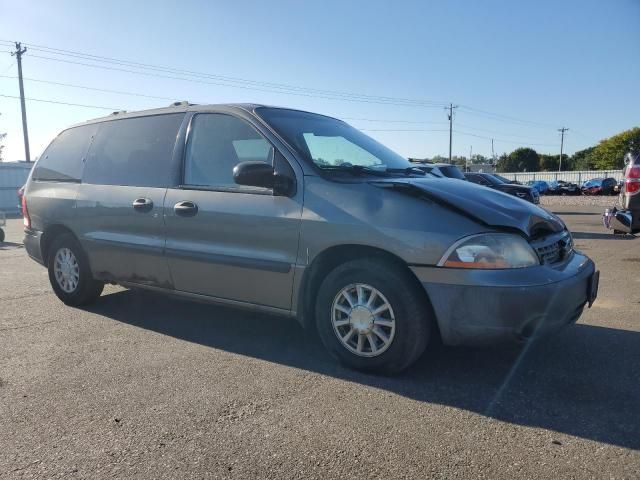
(142, 385)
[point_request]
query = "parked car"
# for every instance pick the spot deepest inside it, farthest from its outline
(599, 186)
(489, 180)
(541, 186)
(561, 187)
(440, 170)
(618, 187)
(506, 180)
(624, 217)
(302, 215)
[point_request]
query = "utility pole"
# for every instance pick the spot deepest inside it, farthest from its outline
(18, 54)
(466, 167)
(450, 115)
(493, 153)
(561, 130)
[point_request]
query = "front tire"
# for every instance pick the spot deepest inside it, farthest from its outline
(372, 316)
(69, 273)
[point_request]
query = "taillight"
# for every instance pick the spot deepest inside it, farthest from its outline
(632, 179)
(25, 213)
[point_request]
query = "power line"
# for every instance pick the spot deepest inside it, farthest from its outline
(398, 121)
(269, 87)
(501, 117)
(112, 60)
(171, 77)
(105, 90)
(388, 121)
(506, 141)
(229, 81)
(402, 130)
(62, 103)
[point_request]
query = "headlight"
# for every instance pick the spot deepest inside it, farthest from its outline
(490, 251)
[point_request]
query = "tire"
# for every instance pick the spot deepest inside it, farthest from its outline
(410, 315)
(1, 235)
(85, 289)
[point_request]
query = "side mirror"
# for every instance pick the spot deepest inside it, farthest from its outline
(261, 174)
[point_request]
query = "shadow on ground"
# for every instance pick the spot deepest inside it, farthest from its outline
(9, 245)
(584, 382)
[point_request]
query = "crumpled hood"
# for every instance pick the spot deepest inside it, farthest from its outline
(483, 204)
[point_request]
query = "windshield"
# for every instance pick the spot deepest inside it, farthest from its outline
(501, 178)
(330, 143)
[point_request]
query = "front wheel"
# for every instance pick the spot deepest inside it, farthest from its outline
(69, 273)
(372, 316)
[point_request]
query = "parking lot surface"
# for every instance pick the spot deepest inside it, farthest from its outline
(141, 385)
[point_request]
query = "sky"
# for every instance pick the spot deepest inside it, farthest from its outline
(517, 70)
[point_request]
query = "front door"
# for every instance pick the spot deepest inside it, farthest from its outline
(225, 240)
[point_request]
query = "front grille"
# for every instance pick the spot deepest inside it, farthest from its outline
(549, 253)
(555, 251)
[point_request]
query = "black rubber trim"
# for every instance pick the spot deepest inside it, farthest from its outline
(251, 263)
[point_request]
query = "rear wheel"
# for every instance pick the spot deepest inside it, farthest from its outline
(69, 272)
(1, 235)
(371, 316)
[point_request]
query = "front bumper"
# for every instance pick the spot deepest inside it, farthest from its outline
(482, 307)
(32, 240)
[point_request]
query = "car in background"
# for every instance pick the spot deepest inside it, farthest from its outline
(488, 180)
(506, 180)
(440, 170)
(617, 189)
(540, 185)
(599, 186)
(561, 187)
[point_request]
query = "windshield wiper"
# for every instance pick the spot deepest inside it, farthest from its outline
(356, 169)
(364, 170)
(408, 171)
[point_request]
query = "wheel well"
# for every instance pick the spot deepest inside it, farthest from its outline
(329, 259)
(50, 233)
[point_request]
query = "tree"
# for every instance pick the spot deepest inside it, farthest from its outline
(609, 153)
(549, 163)
(520, 160)
(583, 159)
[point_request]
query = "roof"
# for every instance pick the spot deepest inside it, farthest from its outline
(181, 107)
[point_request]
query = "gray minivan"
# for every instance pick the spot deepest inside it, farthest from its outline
(299, 214)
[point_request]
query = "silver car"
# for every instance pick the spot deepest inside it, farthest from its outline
(299, 214)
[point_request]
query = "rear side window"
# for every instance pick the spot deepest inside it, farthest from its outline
(62, 161)
(133, 151)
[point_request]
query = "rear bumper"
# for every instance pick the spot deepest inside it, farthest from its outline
(32, 245)
(506, 306)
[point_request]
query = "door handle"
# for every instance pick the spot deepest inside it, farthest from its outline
(142, 204)
(185, 208)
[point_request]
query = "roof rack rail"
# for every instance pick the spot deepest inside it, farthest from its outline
(119, 112)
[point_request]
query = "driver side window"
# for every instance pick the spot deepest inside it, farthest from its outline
(216, 144)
